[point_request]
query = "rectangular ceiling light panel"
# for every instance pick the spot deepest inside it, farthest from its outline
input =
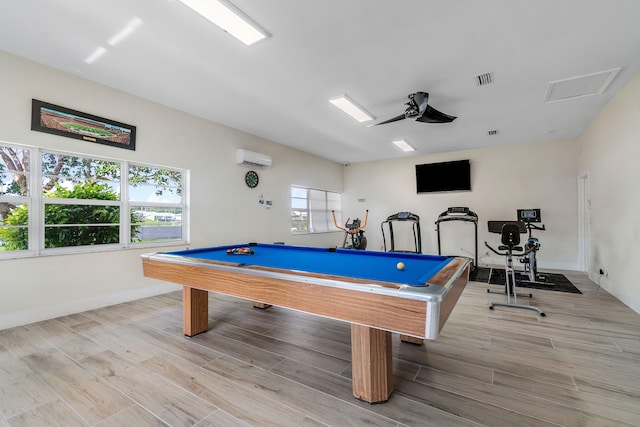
(125, 32)
(404, 145)
(351, 108)
(231, 19)
(95, 55)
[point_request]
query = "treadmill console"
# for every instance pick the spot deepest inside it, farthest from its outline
(458, 211)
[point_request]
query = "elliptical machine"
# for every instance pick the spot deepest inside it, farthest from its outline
(354, 237)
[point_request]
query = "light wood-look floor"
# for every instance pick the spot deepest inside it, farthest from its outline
(129, 365)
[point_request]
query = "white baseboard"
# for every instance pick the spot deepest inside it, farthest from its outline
(603, 282)
(49, 312)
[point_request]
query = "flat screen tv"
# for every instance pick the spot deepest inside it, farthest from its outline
(445, 176)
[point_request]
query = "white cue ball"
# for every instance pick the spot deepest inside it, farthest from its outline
(400, 266)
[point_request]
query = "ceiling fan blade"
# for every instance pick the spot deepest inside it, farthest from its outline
(431, 115)
(421, 99)
(395, 119)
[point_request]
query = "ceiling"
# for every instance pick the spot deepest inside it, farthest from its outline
(377, 52)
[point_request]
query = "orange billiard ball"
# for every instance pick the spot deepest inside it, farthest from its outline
(400, 266)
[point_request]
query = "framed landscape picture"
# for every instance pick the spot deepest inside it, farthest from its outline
(57, 120)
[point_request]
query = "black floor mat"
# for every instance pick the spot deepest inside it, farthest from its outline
(553, 282)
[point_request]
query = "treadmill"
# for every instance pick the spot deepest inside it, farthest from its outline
(459, 214)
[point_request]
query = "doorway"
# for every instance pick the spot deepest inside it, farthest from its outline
(584, 223)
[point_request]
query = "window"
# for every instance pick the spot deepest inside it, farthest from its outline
(85, 203)
(311, 210)
(15, 202)
(156, 204)
(81, 201)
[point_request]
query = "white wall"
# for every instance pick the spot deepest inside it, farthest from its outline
(610, 155)
(224, 210)
(503, 179)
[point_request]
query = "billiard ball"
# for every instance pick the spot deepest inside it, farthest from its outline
(400, 266)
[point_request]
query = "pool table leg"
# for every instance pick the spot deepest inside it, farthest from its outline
(371, 364)
(411, 340)
(260, 305)
(195, 311)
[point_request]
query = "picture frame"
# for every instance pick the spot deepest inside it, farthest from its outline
(62, 121)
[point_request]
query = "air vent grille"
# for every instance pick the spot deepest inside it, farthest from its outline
(484, 79)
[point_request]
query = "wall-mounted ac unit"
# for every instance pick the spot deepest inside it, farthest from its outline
(252, 159)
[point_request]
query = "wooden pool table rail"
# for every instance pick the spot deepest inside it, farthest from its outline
(404, 310)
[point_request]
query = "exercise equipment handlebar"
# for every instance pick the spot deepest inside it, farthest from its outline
(350, 230)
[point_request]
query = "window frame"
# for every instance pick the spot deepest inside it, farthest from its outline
(36, 203)
(329, 218)
(24, 200)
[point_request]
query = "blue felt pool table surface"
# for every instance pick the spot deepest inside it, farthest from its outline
(366, 265)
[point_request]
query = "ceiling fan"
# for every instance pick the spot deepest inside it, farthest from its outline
(418, 108)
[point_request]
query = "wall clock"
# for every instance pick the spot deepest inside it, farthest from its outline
(251, 179)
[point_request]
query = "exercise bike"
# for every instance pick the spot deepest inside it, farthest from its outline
(510, 239)
(354, 237)
(530, 262)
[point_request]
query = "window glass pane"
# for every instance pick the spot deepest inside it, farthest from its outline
(299, 203)
(299, 192)
(149, 184)
(76, 224)
(299, 221)
(83, 190)
(14, 231)
(153, 194)
(70, 172)
(151, 224)
(65, 236)
(334, 203)
(71, 184)
(318, 211)
(299, 210)
(14, 171)
(81, 214)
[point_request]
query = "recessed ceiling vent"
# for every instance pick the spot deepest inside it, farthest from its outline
(575, 87)
(484, 79)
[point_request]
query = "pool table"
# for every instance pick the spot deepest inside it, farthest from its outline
(365, 288)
